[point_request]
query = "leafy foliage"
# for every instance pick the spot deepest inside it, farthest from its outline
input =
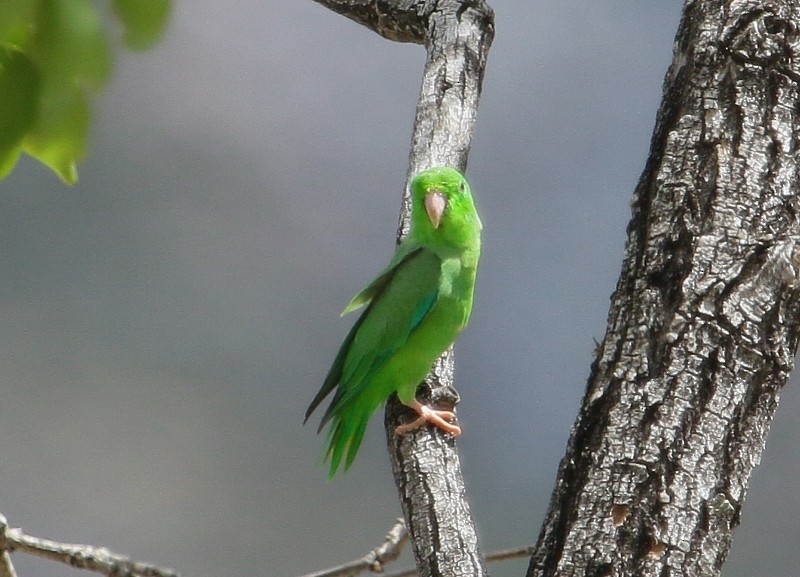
(54, 54)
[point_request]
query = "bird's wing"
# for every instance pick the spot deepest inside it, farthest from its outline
(398, 301)
(376, 287)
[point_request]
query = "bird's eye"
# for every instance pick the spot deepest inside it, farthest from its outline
(462, 188)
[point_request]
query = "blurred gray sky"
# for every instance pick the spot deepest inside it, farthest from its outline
(164, 324)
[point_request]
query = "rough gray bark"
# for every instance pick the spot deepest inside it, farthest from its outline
(457, 35)
(703, 325)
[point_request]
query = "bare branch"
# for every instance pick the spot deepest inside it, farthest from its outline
(390, 549)
(506, 554)
(457, 35)
(6, 567)
(426, 466)
(495, 556)
(97, 559)
(392, 19)
(705, 320)
(375, 560)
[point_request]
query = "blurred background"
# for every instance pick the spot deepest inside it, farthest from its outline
(164, 323)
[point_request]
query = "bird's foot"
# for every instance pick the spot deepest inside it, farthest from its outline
(435, 417)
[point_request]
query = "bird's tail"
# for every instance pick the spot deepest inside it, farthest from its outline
(345, 438)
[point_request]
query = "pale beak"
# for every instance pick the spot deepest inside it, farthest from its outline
(435, 203)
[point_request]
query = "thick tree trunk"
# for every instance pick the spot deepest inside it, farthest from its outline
(457, 35)
(703, 325)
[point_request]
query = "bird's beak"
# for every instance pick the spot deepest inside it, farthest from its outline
(435, 203)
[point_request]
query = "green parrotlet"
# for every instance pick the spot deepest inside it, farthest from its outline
(415, 309)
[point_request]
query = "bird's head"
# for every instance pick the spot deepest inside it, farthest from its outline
(442, 207)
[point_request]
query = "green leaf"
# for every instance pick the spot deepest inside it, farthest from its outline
(144, 21)
(54, 56)
(9, 160)
(72, 46)
(59, 138)
(19, 102)
(15, 16)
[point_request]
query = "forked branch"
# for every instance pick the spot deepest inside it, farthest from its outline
(97, 559)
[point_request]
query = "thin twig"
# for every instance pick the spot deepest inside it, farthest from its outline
(375, 560)
(6, 567)
(98, 559)
(389, 550)
(501, 555)
(506, 554)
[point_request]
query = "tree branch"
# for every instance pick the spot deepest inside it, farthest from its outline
(390, 549)
(375, 560)
(503, 555)
(705, 320)
(457, 35)
(98, 559)
(6, 567)
(396, 20)
(426, 467)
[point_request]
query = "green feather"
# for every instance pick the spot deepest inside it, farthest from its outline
(414, 310)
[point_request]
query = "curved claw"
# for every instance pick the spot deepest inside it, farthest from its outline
(435, 417)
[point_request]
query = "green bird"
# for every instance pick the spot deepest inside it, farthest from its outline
(415, 309)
